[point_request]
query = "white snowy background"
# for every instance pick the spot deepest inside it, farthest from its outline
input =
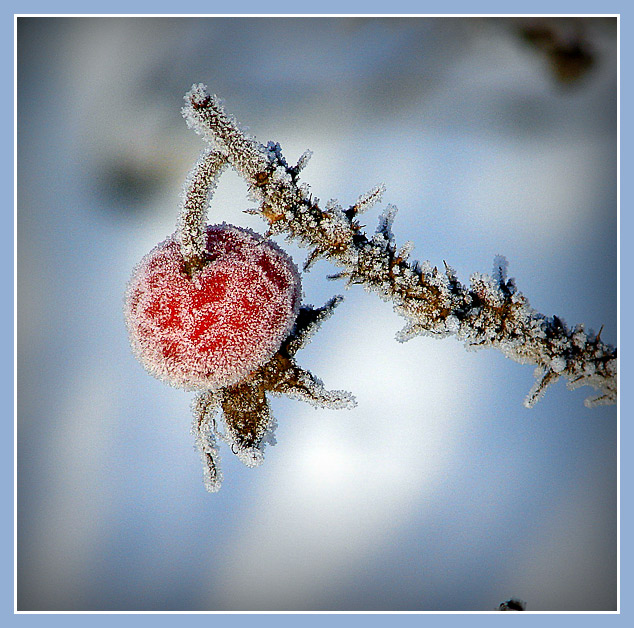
(440, 491)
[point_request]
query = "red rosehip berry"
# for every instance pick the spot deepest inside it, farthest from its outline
(211, 329)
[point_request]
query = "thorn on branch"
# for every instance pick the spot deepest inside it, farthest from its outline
(366, 201)
(544, 377)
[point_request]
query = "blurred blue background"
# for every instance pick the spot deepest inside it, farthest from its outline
(440, 491)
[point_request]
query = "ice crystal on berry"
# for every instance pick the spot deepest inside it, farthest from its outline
(212, 328)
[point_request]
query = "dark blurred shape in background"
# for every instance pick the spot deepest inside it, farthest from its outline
(514, 604)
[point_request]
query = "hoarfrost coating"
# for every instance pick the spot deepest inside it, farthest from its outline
(489, 313)
(213, 328)
(206, 312)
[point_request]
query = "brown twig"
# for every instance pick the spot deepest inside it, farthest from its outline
(488, 313)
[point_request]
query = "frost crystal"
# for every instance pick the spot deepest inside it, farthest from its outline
(500, 268)
(302, 162)
(369, 199)
(212, 329)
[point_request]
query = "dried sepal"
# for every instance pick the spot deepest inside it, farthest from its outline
(204, 408)
(281, 375)
(240, 414)
(248, 420)
(308, 321)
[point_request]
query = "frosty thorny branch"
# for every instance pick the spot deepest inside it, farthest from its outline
(216, 309)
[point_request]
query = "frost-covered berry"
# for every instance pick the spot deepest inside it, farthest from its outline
(212, 328)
